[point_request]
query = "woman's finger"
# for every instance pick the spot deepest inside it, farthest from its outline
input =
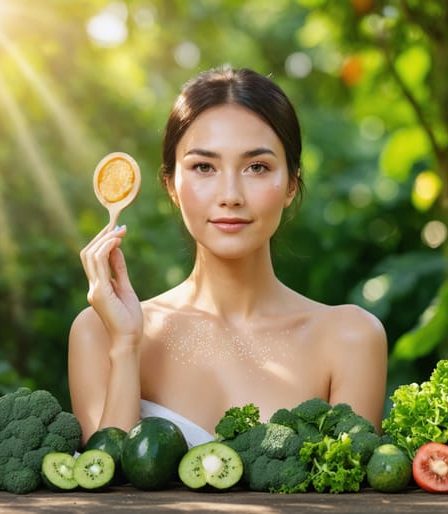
(101, 259)
(108, 230)
(119, 269)
(89, 253)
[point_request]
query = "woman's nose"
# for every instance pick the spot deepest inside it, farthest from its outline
(230, 190)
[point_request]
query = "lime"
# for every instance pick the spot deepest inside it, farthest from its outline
(389, 469)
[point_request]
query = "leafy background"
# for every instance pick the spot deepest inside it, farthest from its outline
(369, 80)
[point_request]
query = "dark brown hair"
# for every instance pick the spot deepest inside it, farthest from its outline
(243, 87)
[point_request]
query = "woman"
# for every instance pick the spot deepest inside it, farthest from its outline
(231, 333)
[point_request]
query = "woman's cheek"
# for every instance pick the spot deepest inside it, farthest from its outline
(272, 198)
(193, 202)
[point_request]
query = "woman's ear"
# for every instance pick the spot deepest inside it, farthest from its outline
(169, 184)
(293, 186)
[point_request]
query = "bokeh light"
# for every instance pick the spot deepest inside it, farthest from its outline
(434, 233)
(376, 288)
(371, 128)
(386, 189)
(108, 28)
(360, 195)
(187, 55)
(427, 187)
(298, 65)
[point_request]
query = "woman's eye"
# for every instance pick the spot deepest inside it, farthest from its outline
(257, 168)
(203, 167)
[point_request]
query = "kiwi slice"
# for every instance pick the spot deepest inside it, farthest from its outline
(57, 471)
(94, 469)
(214, 464)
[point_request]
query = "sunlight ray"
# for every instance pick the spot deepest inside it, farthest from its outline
(52, 198)
(10, 268)
(77, 141)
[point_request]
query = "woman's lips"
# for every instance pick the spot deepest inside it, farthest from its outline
(230, 225)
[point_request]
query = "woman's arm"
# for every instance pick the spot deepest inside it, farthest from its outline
(104, 378)
(358, 361)
(104, 341)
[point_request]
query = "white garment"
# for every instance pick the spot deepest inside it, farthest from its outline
(194, 434)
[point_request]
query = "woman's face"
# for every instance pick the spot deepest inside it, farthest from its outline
(231, 181)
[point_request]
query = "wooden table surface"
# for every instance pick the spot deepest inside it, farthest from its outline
(129, 500)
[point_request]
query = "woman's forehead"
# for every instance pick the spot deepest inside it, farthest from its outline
(228, 126)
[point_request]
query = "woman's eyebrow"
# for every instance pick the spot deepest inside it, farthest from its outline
(250, 153)
(258, 151)
(204, 153)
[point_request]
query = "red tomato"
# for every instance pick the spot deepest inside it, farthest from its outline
(430, 467)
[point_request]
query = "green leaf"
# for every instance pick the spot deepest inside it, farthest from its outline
(404, 148)
(413, 65)
(431, 331)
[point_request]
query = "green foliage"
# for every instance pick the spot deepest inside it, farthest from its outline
(237, 420)
(312, 446)
(420, 412)
(334, 466)
(369, 81)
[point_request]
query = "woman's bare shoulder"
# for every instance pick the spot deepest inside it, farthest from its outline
(88, 328)
(351, 324)
(357, 317)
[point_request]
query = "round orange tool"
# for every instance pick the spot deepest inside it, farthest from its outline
(116, 182)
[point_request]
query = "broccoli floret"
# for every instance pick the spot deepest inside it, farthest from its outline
(336, 414)
(33, 459)
(30, 431)
(56, 442)
(241, 443)
(22, 481)
(44, 405)
(67, 426)
(273, 440)
(237, 420)
(260, 479)
(33, 424)
(353, 424)
(312, 411)
(7, 405)
(307, 432)
(266, 450)
(292, 474)
(364, 443)
(277, 475)
(284, 417)
(21, 407)
(6, 450)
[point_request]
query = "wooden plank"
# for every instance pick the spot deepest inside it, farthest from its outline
(127, 499)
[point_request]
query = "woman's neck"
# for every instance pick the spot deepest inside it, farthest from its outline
(234, 289)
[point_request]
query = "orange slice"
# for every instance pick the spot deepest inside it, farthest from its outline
(116, 180)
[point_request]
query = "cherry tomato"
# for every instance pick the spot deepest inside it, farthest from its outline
(430, 467)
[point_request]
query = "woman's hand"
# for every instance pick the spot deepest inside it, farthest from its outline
(110, 291)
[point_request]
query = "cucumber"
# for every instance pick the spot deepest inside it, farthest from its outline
(214, 464)
(110, 440)
(57, 471)
(151, 453)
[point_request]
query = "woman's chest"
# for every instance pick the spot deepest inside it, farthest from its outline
(201, 370)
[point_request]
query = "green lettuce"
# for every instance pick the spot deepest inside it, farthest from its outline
(334, 466)
(420, 412)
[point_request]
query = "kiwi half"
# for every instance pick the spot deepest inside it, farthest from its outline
(213, 464)
(94, 469)
(57, 471)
